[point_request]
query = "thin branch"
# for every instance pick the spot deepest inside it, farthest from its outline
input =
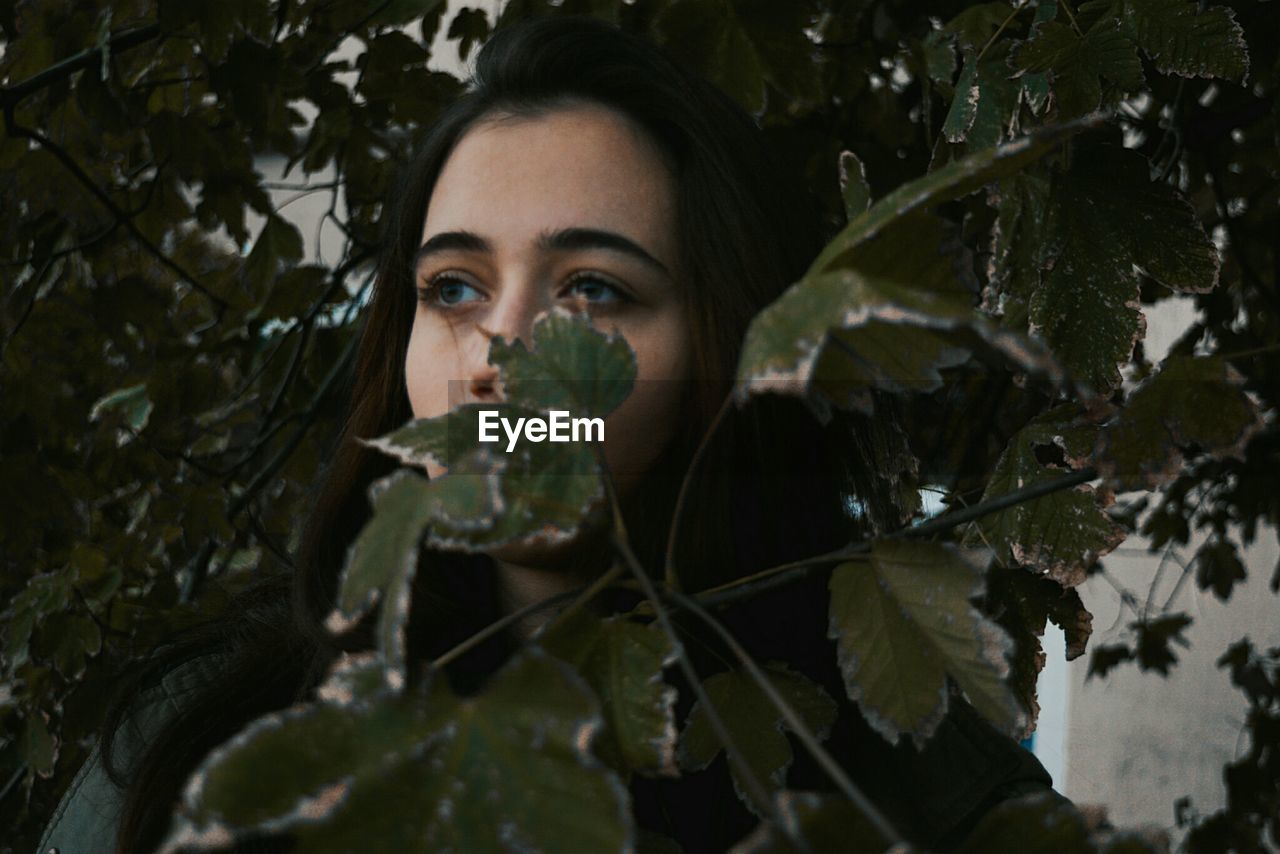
(776, 576)
(669, 570)
(97, 192)
(798, 726)
(61, 70)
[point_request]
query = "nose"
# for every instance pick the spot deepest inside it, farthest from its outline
(511, 317)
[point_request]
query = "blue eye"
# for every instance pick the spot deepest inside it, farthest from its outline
(448, 291)
(596, 290)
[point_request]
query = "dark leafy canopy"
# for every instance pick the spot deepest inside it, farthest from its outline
(173, 352)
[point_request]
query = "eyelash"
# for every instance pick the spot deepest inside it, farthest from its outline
(428, 292)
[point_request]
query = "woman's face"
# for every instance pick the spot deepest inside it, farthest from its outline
(573, 208)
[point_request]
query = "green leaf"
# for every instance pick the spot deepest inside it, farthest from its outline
(853, 184)
(1063, 533)
(895, 314)
(572, 367)
(744, 45)
(1039, 823)
(37, 746)
(509, 767)
(471, 26)
(132, 403)
(1023, 603)
(278, 244)
(1104, 218)
(953, 181)
(1076, 64)
(827, 822)
(622, 661)
(381, 564)
(1181, 39)
(903, 623)
(1191, 402)
(754, 723)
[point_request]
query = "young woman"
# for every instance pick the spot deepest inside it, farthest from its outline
(582, 169)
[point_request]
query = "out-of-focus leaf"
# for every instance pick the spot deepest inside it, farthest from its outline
(1192, 402)
(133, 404)
(469, 26)
(1218, 566)
(853, 184)
(896, 312)
(511, 767)
(38, 747)
(754, 723)
(827, 822)
(279, 243)
(622, 661)
(903, 622)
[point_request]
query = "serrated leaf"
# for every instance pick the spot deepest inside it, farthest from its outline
(1183, 39)
(1192, 401)
(903, 623)
(953, 181)
(623, 661)
(896, 313)
(754, 723)
(1061, 534)
(1039, 823)
(381, 565)
(508, 768)
(571, 366)
(1023, 603)
(1106, 218)
(1076, 65)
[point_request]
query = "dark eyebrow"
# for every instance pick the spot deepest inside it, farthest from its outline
(594, 238)
(566, 239)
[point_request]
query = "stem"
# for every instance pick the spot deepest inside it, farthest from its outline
(807, 738)
(1017, 7)
(1075, 26)
(587, 594)
(118, 43)
(669, 571)
(498, 625)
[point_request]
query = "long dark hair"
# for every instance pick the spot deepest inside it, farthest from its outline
(747, 230)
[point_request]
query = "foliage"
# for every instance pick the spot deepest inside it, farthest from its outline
(1014, 185)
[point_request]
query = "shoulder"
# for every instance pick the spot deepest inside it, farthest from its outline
(88, 817)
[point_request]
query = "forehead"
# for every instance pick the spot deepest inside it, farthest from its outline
(511, 178)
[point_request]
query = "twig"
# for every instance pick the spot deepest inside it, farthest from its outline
(669, 570)
(60, 70)
(785, 573)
